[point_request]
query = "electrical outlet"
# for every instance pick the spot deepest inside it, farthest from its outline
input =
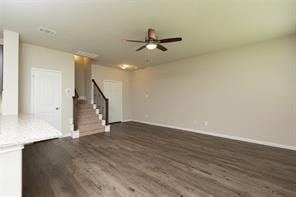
(194, 121)
(146, 115)
(146, 95)
(206, 123)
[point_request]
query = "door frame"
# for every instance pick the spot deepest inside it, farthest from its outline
(121, 115)
(32, 100)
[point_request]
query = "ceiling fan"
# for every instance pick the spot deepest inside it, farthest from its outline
(152, 42)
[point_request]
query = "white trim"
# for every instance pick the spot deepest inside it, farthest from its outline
(75, 134)
(127, 120)
(107, 128)
(83, 98)
(222, 135)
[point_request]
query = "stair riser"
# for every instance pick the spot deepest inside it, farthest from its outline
(93, 112)
(85, 109)
(83, 121)
(88, 127)
(90, 133)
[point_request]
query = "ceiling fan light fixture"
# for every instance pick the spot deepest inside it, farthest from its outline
(151, 46)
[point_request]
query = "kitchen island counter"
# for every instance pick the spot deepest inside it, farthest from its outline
(15, 132)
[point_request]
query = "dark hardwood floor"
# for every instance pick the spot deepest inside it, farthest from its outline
(142, 160)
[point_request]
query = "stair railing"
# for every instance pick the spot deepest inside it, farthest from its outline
(102, 103)
(75, 102)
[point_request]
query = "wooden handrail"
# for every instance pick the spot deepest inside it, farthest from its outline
(95, 83)
(106, 102)
(76, 96)
(75, 100)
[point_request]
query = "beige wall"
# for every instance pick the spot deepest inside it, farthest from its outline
(101, 73)
(79, 75)
(88, 78)
(39, 57)
(83, 77)
(248, 92)
(10, 72)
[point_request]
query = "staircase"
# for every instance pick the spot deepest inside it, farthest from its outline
(92, 118)
(88, 121)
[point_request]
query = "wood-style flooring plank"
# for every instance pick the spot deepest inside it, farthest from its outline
(143, 160)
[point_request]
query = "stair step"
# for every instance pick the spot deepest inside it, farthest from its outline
(82, 102)
(85, 120)
(85, 106)
(86, 110)
(91, 132)
(87, 116)
(90, 127)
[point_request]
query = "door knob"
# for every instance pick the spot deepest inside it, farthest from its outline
(57, 108)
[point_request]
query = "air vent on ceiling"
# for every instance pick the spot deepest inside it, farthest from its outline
(47, 31)
(86, 54)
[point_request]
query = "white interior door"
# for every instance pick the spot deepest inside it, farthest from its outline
(113, 91)
(46, 88)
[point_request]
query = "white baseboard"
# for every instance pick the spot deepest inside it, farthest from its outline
(128, 120)
(222, 135)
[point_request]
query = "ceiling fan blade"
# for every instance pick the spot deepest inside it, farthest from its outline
(161, 47)
(142, 47)
(166, 40)
(135, 41)
(152, 34)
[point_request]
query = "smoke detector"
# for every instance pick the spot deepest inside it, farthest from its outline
(86, 54)
(47, 31)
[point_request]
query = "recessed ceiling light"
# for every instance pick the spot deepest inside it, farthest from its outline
(124, 66)
(86, 54)
(47, 31)
(127, 66)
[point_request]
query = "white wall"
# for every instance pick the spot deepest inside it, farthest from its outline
(10, 72)
(101, 73)
(39, 57)
(247, 92)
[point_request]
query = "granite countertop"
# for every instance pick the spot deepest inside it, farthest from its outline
(24, 129)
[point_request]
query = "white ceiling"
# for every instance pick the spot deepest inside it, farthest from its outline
(98, 26)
